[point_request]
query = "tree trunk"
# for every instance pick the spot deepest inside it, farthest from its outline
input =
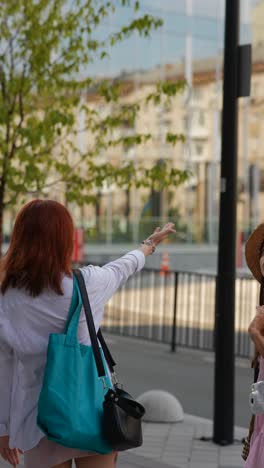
(155, 203)
(98, 215)
(127, 206)
(2, 190)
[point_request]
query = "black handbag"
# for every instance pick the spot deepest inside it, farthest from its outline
(122, 413)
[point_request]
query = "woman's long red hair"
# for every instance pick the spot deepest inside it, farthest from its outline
(40, 250)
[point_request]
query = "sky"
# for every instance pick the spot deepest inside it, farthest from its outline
(168, 44)
(211, 8)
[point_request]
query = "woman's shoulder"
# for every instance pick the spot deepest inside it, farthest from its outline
(92, 275)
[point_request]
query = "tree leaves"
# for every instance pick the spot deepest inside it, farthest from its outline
(57, 123)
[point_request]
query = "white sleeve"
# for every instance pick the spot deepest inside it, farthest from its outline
(103, 282)
(108, 278)
(6, 378)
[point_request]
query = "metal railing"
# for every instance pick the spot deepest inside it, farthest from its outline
(179, 309)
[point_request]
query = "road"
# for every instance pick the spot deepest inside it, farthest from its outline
(182, 257)
(188, 374)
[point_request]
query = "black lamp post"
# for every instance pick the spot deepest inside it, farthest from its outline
(237, 71)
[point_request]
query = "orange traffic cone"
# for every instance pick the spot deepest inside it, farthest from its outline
(164, 266)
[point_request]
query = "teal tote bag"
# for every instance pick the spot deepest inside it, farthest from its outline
(70, 406)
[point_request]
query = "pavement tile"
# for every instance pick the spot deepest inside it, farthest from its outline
(175, 461)
(206, 456)
(150, 453)
(230, 458)
(127, 460)
(203, 465)
(127, 465)
(154, 443)
(229, 462)
(178, 450)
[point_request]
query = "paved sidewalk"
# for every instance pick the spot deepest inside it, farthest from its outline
(179, 446)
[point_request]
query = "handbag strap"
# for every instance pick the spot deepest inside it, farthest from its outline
(92, 332)
(108, 356)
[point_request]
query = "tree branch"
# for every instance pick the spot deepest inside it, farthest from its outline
(3, 83)
(71, 169)
(12, 67)
(21, 113)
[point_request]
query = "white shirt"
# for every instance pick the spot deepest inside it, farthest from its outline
(25, 326)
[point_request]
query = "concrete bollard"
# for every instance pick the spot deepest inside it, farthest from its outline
(161, 407)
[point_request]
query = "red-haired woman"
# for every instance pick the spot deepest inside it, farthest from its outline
(36, 289)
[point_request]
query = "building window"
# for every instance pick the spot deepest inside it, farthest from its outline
(166, 122)
(255, 89)
(185, 122)
(201, 118)
(197, 93)
(198, 149)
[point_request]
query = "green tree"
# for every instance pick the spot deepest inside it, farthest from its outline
(46, 47)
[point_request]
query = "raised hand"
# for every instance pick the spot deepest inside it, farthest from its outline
(161, 234)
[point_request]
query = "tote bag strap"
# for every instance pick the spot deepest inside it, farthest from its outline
(108, 356)
(71, 328)
(92, 332)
